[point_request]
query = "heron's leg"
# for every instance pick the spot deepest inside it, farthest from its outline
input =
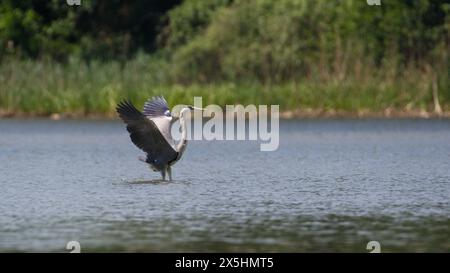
(163, 173)
(169, 172)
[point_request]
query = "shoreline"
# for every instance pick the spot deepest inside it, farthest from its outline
(291, 114)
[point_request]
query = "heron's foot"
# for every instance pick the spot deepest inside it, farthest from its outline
(169, 172)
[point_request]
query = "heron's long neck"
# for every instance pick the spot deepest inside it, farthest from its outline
(183, 141)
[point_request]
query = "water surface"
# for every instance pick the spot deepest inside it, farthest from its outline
(333, 185)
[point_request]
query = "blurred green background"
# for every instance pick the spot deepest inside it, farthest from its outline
(311, 57)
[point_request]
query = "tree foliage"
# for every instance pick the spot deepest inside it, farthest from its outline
(233, 40)
(273, 41)
(98, 29)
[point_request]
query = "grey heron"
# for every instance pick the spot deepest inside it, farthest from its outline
(150, 131)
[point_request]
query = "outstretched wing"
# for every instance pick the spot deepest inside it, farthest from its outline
(158, 111)
(157, 107)
(146, 135)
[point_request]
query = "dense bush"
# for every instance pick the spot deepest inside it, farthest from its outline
(97, 29)
(275, 41)
(188, 20)
(330, 55)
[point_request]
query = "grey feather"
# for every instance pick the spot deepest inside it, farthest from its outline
(156, 107)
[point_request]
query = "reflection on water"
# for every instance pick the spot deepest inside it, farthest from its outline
(333, 185)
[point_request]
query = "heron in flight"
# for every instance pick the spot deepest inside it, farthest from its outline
(150, 131)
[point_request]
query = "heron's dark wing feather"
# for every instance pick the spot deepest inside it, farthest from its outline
(156, 107)
(145, 135)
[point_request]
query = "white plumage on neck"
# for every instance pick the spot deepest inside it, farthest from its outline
(183, 140)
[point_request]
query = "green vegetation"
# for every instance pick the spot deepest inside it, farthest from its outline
(46, 87)
(319, 56)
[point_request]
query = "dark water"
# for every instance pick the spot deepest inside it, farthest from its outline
(333, 185)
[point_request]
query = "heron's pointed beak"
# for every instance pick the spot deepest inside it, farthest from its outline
(200, 109)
